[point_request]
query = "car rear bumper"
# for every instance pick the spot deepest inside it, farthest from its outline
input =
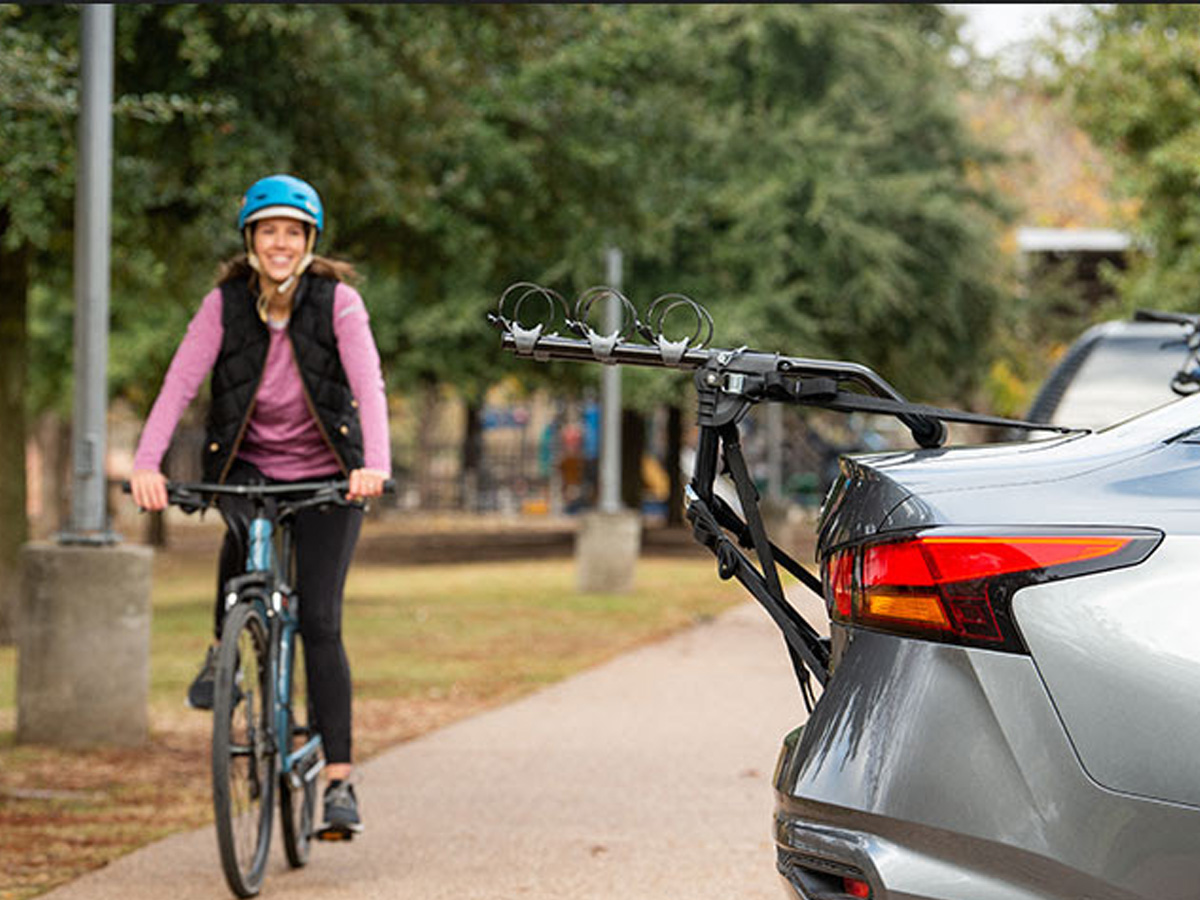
(814, 860)
(941, 772)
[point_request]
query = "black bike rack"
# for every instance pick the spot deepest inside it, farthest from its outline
(728, 383)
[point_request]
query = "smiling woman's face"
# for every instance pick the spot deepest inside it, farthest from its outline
(279, 244)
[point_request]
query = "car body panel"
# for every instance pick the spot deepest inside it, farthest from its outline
(1131, 474)
(951, 772)
(1120, 655)
(958, 755)
(1157, 487)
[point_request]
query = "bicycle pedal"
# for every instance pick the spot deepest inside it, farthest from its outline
(334, 834)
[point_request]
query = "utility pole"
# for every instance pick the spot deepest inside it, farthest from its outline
(93, 205)
(83, 673)
(610, 395)
(608, 541)
(774, 414)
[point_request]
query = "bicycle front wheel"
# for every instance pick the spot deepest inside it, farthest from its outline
(244, 760)
(298, 788)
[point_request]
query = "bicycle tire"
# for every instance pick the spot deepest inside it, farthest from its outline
(244, 759)
(297, 805)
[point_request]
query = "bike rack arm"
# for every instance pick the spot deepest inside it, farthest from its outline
(710, 517)
(728, 383)
(735, 371)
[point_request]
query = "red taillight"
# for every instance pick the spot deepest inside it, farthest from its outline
(856, 887)
(841, 582)
(955, 586)
(962, 558)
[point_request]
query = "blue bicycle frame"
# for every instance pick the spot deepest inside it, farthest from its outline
(283, 612)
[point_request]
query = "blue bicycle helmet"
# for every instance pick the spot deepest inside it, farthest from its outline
(282, 195)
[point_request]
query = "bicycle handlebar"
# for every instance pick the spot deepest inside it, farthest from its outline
(194, 495)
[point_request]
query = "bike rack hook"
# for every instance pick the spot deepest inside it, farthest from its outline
(526, 338)
(672, 352)
(603, 345)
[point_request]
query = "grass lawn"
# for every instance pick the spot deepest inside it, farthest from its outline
(427, 645)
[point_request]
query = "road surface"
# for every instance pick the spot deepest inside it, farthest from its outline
(647, 777)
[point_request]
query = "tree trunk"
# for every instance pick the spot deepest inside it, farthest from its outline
(52, 438)
(428, 486)
(472, 455)
(14, 525)
(633, 446)
(63, 473)
(674, 475)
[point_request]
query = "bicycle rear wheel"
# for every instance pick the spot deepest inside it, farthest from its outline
(298, 788)
(244, 760)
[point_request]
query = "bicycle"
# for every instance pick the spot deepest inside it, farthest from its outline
(263, 734)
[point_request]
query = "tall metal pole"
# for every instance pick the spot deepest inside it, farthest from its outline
(610, 397)
(93, 198)
(775, 450)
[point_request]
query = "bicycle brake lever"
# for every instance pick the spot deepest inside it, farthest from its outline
(186, 500)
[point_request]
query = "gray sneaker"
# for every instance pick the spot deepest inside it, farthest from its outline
(200, 693)
(341, 813)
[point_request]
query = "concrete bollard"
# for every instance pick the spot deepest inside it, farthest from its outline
(606, 551)
(83, 645)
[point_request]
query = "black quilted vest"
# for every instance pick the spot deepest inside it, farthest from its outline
(239, 368)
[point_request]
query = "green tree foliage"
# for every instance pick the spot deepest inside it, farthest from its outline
(801, 169)
(1136, 90)
(809, 179)
(847, 222)
(36, 106)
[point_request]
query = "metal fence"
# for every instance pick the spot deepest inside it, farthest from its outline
(545, 460)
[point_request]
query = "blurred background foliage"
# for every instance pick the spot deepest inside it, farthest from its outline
(828, 179)
(804, 170)
(1136, 90)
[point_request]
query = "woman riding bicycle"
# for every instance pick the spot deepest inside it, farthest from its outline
(297, 395)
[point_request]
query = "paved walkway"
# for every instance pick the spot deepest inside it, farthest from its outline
(647, 777)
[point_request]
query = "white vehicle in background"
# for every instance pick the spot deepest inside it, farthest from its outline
(1118, 369)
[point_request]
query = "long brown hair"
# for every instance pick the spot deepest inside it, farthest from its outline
(239, 267)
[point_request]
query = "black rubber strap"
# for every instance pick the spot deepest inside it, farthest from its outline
(729, 520)
(849, 401)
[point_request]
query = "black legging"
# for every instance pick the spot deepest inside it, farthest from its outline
(325, 541)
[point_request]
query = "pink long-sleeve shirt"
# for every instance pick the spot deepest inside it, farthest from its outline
(282, 438)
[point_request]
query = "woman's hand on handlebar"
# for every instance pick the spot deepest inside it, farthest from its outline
(149, 489)
(365, 483)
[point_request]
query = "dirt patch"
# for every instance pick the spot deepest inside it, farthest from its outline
(66, 812)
